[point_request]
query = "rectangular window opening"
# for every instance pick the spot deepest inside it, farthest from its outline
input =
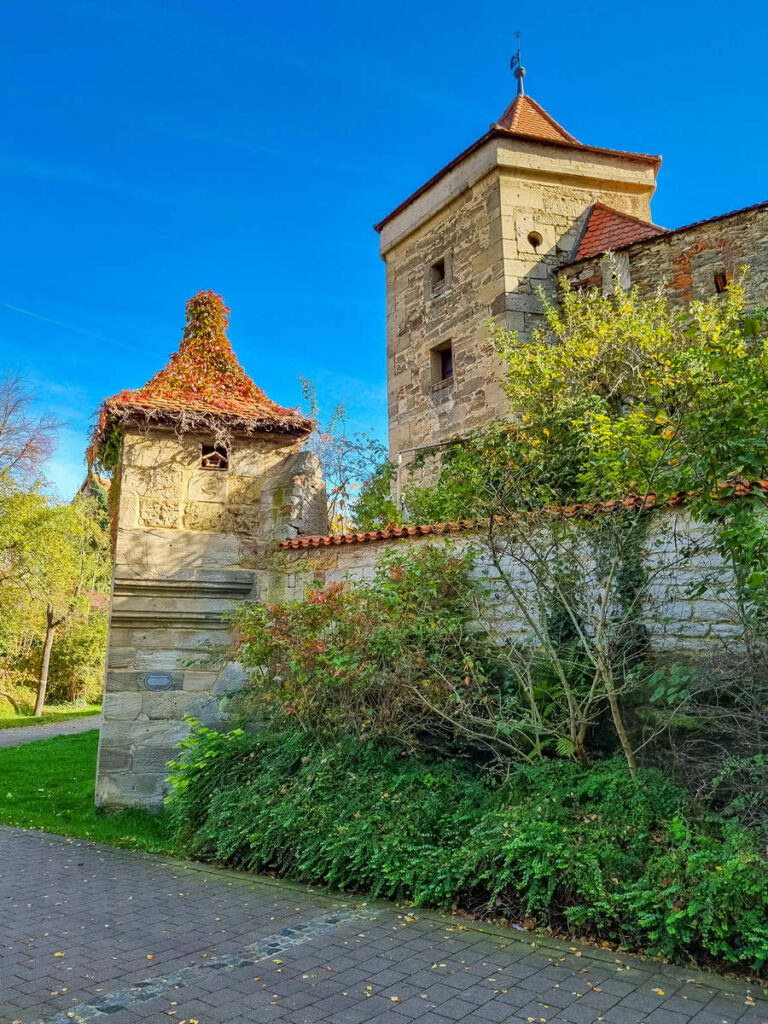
(441, 363)
(437, 275)
(214, 456)
(446, 364)
(722, 280)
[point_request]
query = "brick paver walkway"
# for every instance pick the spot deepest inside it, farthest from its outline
(31, 733)
(93, 934)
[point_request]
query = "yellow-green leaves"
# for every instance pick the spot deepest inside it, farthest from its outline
(638, 396)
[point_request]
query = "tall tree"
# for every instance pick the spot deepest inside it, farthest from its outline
(53, 558)
(348, 458)
(26, 440)
(74, 565)
(616, 398)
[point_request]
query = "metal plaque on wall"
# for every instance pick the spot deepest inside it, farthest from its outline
(158, 681)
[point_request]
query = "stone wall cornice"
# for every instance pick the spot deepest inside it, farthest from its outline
(533, 159)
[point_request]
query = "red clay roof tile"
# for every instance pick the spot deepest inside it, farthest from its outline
(669, 232)
(608, 229)
(525, 117)
(579, 510)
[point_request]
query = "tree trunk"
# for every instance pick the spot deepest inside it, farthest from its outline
(11, 700)
(618, 722)
(42, 686)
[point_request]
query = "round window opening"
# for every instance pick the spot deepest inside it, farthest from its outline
(535, 239)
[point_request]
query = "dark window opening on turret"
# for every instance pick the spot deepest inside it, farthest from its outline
(441, 360)
(722, 280)
(437, 275)
(214, 456)
(446, 364)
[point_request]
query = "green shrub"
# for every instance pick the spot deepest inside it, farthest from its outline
(374, 508)
(77, 659)
(401, 656)
(585, 850)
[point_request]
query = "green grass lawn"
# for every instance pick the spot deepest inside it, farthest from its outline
(55, 713)
(48, 785)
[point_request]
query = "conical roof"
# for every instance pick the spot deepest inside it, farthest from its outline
(202, 387)
(525, 117)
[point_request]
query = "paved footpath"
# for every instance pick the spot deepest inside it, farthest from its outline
(93, 934)
(31, 733)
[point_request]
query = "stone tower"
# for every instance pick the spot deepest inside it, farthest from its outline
(207, 474)
(477, 241)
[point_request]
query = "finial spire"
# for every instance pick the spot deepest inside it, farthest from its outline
(517, 67)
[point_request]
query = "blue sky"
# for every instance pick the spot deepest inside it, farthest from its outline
(152, 149)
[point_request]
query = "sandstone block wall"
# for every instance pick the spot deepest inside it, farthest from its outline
(500, 227)
(684, 263)
(170, 601)
(191, 542)
(678, 554)
(421, 316)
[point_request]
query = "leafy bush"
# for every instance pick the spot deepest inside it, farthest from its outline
(585, 850)
(77, 659)
(635, 395)
(417, 654)
(706, 719)
(402, 655)
(741, 787)
(374, 508)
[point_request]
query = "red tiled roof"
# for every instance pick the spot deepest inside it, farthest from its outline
(608, 229)
(523, 120)
(202, 385)
(580, 510)
(391, 533)
(668, 232)
(525, 117)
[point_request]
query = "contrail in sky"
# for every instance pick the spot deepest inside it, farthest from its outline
(79, 330)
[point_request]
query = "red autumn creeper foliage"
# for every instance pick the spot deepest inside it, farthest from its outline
(203, 386)
(205, 370)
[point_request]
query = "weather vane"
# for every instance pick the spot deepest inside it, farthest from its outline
(517, 66)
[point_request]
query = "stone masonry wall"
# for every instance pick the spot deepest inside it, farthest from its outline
(499, 239)
(679, 552)
(684, 263)
(190, 543)
(557, 213)
(172, 590)
(420, 316)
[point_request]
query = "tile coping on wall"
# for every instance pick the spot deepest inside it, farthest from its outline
(740, 489)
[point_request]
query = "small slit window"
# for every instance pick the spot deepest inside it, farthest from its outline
(214, 456)
(441, 359)
(722, 280)
(437, 276)
(446, 364)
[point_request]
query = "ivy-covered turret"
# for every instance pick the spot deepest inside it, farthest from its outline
(207, 474)
(203, 387)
